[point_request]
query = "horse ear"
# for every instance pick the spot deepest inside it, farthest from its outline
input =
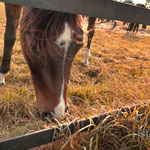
(30, 43)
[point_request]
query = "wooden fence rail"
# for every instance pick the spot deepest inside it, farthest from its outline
(41, 137)
(96, 8)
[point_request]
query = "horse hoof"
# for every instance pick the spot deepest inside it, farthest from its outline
(86, 63)
(1, 84)
(2, 79)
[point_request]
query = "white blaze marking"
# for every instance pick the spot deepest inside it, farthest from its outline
(63, 41)
(2, 78)
(86, 56)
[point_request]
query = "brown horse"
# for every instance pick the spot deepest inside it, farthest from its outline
(50, 41)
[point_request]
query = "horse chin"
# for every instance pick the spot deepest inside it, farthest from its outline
(51, 117)
(53, 113)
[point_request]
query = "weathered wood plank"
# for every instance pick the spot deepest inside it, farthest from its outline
(47, 136)
(95, 8)
(28, 141)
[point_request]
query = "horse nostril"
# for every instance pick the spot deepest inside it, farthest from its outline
(44, 114)
(38, 113)
(48, 116)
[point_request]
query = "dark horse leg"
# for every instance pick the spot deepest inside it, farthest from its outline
(91, 27)
(130, 27)
(12, 15)
(136, 27)
(144, 26)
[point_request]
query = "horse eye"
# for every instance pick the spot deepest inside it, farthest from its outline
(31, 46)
(35, 51)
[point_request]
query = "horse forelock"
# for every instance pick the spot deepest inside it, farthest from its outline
(44, 27)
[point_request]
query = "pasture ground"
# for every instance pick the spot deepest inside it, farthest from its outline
(118, 76)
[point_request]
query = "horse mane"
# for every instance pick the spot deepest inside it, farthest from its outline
(45, 26)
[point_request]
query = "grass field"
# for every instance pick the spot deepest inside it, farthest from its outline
(118, 76)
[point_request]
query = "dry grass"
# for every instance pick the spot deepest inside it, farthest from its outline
(119, 75)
